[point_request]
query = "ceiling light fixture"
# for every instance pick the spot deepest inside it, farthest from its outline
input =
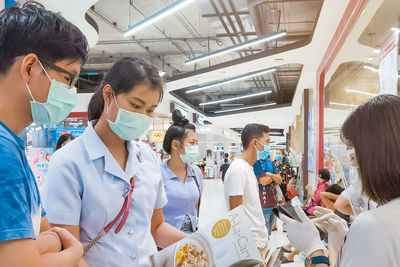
(234, 98)
(370, 58)
(236, 47)
(359, 92)
(342, 104)
(371, 68)
(230, 80)
(156, 17)
(161, 73)
(396, 29)
(243, 108)
(376, 51)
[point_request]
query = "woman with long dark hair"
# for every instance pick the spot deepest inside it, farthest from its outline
(105, 187)
(373, 130)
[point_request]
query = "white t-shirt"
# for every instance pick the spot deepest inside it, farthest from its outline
(240, 180)
(374, 238)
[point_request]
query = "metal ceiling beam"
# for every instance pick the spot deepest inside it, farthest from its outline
(154, 40)
(239, 13)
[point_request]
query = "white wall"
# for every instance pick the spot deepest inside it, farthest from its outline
(2, 4)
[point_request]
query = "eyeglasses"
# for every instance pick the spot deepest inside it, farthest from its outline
(73, 77)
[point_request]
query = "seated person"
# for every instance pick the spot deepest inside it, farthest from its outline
(329, 198)
(323, 183)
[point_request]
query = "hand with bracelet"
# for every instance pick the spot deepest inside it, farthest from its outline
(304, 236)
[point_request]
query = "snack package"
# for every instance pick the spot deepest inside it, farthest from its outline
(221, 243)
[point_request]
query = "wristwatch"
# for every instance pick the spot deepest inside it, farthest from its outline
(320, 259)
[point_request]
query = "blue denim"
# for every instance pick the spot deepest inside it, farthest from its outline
(269, 217)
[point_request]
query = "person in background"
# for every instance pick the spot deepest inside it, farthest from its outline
(241, 186)
(183, 182)
(41, 55)
(323, 183)
(286, 171)
(374, 236)
(63, 140)
(222, 170)
(105, 187)
(264, 169)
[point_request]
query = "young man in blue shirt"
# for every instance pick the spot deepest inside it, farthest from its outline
(268, 177)
(41, 55)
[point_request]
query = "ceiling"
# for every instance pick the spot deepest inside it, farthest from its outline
(207, 26)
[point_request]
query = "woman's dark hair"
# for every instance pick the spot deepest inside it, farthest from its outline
(123, 76)
(177, 131)
(64, 138)
(253, 131)
(373, 129)
(334, 189)
(324, 173)
(33, 29)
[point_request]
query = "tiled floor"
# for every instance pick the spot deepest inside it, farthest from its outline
(212, 206)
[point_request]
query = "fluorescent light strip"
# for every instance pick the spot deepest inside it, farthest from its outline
(233, 98)
(243, 108)
(230, 80)
(236, 47)
(156, 16)
(396, 29)
(342, 104)
(370, 68)
(359, 92)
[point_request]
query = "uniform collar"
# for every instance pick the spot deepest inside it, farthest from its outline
(168, 174)
(97, 149)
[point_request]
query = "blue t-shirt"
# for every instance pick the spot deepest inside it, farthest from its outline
(19, 194)
(263, 166)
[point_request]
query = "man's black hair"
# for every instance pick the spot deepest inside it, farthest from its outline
(33, 29)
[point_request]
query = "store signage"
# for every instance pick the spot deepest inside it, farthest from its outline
(156, 136)
(388, 67)
(203, 130)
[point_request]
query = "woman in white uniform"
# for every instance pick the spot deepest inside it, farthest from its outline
(105, 188)
(374, 237)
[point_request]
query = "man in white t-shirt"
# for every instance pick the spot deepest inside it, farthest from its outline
(241, 185)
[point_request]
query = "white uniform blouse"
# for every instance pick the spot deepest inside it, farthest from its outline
(85, 186)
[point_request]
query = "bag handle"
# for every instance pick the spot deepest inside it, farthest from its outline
(198, 188)
(124, 210)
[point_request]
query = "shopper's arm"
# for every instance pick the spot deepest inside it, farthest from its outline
(275, 177)
(342, 204)
(235, 201)
(265, 180)
(44, 224)
(74, 230)
(11, 252)
(329, 199)
(163, 233)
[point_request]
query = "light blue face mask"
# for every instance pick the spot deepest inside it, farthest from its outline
(192, 154)
(129, 125)
(265, 153)
(278, 157)
(60, 102)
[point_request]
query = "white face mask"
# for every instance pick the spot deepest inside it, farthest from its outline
(129, 125)
(60, 102)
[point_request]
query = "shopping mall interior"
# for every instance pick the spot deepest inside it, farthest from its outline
(300, 67)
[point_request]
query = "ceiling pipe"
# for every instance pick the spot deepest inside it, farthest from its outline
(252, 6)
